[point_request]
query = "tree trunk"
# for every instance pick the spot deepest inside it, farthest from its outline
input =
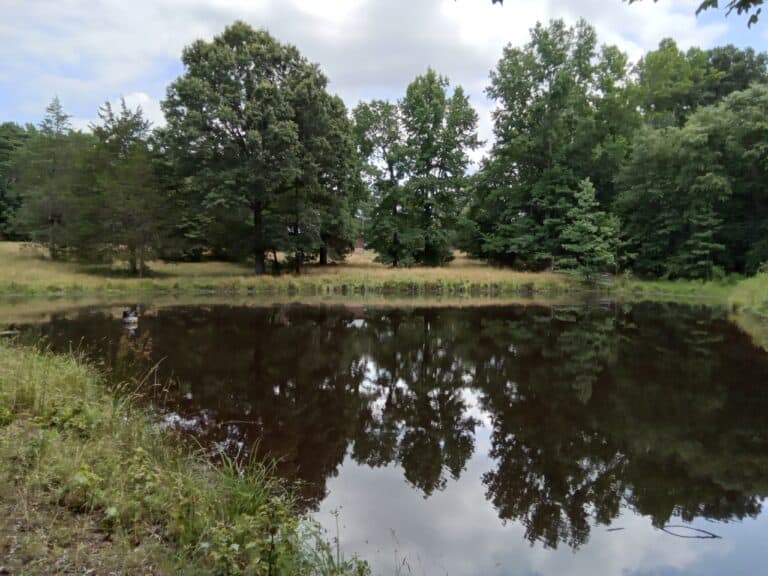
(324, 256)
(141, 261)
(259, 262)
(51, 241)
(132, 260)
(298, 260)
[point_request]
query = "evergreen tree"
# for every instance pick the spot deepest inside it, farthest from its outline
(12, 137)
(125, 197)
(47, 170)
(590, 235)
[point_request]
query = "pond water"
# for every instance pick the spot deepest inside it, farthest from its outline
(490, 440)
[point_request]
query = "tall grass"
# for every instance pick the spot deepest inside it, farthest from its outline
(751, 295)
(26, 271)
(72, 446)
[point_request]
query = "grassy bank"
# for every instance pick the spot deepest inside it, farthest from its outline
(715, 292)
(745, 298)
(748, 295)
(26, 271)
(88, 484)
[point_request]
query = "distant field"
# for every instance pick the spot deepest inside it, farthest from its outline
(26, 270)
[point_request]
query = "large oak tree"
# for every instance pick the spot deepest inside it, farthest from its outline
(255, 133)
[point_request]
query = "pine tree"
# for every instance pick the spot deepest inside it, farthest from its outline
(47, 170)
(589, 237)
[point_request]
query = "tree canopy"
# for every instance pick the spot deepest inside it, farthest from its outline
(597, 164)
(417, 158)
(267, 151)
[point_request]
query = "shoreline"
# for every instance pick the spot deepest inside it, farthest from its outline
(90, 483)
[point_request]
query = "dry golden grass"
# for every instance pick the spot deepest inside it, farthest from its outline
(26, 270)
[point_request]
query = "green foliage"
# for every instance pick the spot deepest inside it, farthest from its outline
(48, 169)
(690, 205)
(141, 485)
(417, 160)
(564, 115)
(12, 137)
(124, 200)
(258, 160)
(589, 235)
(265, 151)
(672, 84)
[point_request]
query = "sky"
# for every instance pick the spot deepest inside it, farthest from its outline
(90, 51)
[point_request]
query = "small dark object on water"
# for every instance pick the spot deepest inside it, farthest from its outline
(695, 533)
(130, 316)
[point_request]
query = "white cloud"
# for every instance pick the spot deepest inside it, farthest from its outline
(91, 51)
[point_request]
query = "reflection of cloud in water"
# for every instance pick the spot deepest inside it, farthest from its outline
(455, 532)
(471, 398)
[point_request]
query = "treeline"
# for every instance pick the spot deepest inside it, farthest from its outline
(597, 164)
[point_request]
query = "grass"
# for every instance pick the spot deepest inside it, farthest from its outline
(89, 484)
(27, 271)
(745, 298)
(751, 296)
(716, 292)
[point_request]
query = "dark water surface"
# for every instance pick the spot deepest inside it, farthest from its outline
(496, 440)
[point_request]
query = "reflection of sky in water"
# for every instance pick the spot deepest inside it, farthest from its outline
(456, 532)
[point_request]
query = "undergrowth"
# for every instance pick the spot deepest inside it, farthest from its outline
(74, 452)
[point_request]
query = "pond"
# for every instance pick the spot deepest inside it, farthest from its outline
(602, 439)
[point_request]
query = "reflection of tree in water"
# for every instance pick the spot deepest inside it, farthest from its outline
(666, 428)
(657, 407)
(423, 422)
(554, 467)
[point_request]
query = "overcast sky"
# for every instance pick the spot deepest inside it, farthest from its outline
(89, 51)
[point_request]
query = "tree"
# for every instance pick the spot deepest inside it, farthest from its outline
(47, 170)
(341, 185)
(672, 187)
(12, 137)
(417, 156)
(692, 201)
(672, 84)
(736, 69)
(248, 124)
(564, 114)
(590, 235)
(125, 196)
(439, 132)
(380, 142)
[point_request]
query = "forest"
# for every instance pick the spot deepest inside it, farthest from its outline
(597, 164)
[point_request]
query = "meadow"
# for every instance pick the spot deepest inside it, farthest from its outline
(27, 271)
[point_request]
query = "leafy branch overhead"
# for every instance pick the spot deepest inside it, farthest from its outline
(751, 7)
